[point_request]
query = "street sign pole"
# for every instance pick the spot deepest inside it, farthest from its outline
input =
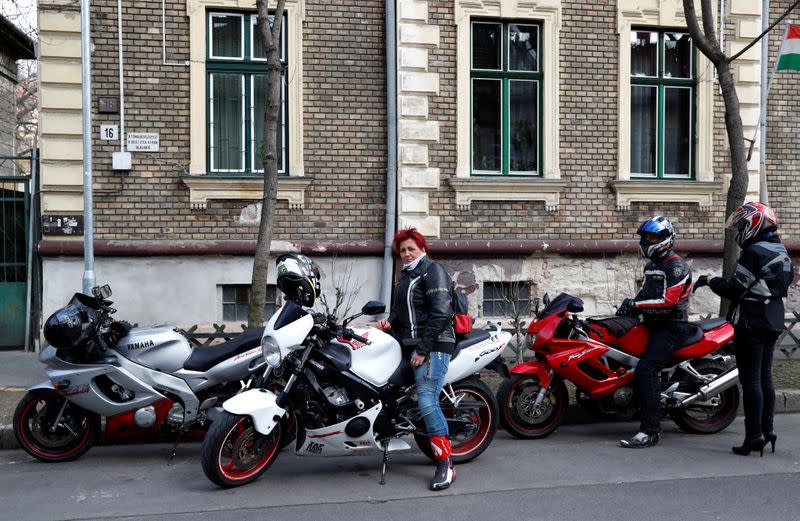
(86, 90)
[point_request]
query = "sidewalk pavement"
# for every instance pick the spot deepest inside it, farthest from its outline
(19, 369)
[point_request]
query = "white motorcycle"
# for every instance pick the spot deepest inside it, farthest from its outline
(348, 392)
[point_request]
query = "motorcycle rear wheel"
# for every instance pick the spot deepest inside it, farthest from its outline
(469, 445)
(71, 438)
(697, 420)
(234, 453)
(516, 397)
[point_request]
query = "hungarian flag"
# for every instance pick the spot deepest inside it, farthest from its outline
(789, 54)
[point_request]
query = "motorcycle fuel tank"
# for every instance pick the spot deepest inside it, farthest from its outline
(374, 362)
(160, 348)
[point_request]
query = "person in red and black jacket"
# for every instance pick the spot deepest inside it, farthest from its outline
(663, 302)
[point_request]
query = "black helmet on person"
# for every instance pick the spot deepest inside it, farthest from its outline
(72, 326)
(657, 237)
(298, 278)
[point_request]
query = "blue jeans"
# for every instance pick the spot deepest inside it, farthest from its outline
(429, 387)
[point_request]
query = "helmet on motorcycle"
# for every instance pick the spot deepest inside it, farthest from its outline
(73, 325)
(751, 220)
(657, 237)
(298, 278)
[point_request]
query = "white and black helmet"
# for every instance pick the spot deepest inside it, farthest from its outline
(298, 278)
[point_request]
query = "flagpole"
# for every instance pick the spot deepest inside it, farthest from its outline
(763, 194)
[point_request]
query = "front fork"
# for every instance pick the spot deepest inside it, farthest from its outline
(544, 388)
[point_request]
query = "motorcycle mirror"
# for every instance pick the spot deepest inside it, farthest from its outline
(546, 300)
(103, 291)
(373, 307)
(536, 303)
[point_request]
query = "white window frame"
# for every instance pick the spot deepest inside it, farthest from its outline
(211, 36)
(211, 123)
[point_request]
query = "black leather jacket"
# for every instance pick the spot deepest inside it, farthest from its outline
(664, 295)
(422, 310)
(760, 281)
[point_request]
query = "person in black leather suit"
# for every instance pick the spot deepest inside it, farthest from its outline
(422, 321)
(663, 302)
(760, 281)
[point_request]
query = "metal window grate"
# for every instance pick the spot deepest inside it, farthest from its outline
(236, 298)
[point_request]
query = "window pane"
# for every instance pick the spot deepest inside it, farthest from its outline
(241, 311)
(523, 123)
(486, 98)
(228, 294)
(644, 53)
(677, 130)
(486, 52)
(258, 110)
(228, 312)
(643, 129)
(523, 47)
(258, 45)
(226, 36)
(227, 139)
(677, 55)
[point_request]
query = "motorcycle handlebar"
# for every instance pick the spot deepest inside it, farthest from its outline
(349, 334)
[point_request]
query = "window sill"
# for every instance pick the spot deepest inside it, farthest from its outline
(203, 188)
(665, 191)
(507, 189)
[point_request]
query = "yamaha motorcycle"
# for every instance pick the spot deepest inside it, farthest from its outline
(145, 381)
(350, 392)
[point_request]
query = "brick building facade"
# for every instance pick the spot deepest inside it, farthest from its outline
(189, 232)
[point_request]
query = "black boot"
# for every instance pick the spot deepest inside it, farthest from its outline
(641, 440)
(444, 476)
(753, 444)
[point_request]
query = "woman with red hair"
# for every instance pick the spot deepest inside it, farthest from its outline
(422, 321)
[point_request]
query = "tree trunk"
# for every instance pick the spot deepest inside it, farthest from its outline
(706, 42)
(271, 37)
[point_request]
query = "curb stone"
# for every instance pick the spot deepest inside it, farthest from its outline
(786, 401)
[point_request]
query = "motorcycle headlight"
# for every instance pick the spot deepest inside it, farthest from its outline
(271, 351)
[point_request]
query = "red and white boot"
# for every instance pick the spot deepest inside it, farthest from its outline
(445, 473)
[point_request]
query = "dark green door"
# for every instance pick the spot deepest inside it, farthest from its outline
(13, 259)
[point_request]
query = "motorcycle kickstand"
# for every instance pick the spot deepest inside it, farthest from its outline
(181, 432)
(385, 444)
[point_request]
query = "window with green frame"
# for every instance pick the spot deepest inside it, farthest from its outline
(236, 86)
(662, 104)
(506, 91)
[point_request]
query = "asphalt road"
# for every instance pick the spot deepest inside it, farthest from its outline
(578, 473)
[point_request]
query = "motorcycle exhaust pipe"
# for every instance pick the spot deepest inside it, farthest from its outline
(719, 385)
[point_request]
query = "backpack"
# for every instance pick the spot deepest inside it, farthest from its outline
(462, 321)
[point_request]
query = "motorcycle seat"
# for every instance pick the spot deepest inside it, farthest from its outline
(470, 339)
(710, 323)
(204, 358)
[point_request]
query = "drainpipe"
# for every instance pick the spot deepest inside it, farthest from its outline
(86, 90)
(121, 79)
(31, 241)
(762, 146)
(390, 30)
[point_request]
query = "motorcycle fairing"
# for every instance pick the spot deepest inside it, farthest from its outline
(260, 405)
(471, 359)
(289, 336)
(539, 369)
(332, 440)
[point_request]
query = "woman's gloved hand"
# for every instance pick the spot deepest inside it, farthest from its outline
(625, 309)
(702, 280)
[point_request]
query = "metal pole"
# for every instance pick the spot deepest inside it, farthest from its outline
(31, 241)
(86, 90)
(390, 29)
(762, 145)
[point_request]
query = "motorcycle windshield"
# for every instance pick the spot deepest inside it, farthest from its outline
(290, 312)
(560, 303)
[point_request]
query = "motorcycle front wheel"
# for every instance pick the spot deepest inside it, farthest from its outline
(234, 453)
(472, 418)
(68, 440)
(707, 419)
(516, 398)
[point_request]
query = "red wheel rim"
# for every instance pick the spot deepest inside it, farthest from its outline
(34, 446)
(484, 420)
(236, 465)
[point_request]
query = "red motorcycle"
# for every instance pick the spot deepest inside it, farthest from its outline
(599, 357)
